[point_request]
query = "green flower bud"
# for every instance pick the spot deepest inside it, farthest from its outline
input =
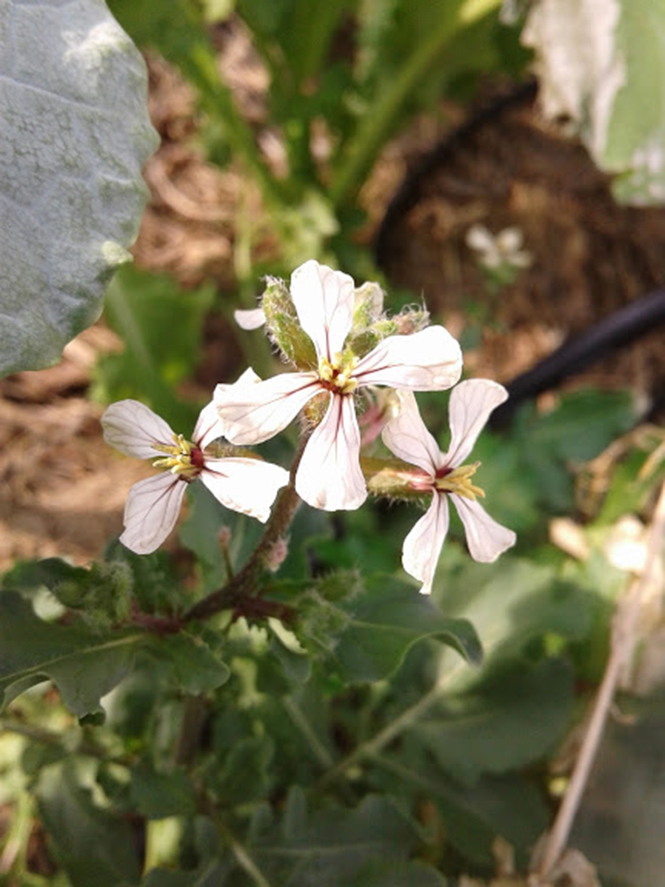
(283, 327)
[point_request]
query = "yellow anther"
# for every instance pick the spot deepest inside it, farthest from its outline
(334, 377)
(178, 459)
(458, 481)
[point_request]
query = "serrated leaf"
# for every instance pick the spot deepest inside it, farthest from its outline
(93, 846)
(601, 63)
(75, 135)
(196, 668)
(504, 725)
(385, 620)
(83, 665)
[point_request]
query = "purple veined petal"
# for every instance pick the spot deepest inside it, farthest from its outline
(485, 537)
(249, 318)
(422, 547)
(324, 301)
(134, 429)
(252, 412)
(151, 511)
(471, 403)
(329, 475)
(208, 426)
(248, 486)
(407, 437)
(429, 360)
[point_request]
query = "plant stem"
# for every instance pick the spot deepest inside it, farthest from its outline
(622, 645)
(237, 593)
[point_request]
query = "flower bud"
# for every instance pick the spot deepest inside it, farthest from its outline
(283, 326)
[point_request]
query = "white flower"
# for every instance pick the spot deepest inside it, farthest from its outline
(241, 484)
(329, 475)
(444, 475)
(495, 250)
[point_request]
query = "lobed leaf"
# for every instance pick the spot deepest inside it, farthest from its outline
(84, 665)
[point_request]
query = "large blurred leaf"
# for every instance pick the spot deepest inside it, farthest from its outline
(75, 134)
(385, 620)
(93, 846)
(330, 847)
(160, 325)
(473, 815)
(84, 665)
(514, 604)
(505, 725)
(601, 62)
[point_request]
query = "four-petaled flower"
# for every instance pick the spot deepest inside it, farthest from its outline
(329, 475)
(444, 475)
(239, 483)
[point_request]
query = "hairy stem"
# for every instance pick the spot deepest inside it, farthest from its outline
(238, 593)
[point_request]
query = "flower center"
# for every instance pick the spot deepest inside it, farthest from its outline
(336, 378)
(458, 481)
(184, 458)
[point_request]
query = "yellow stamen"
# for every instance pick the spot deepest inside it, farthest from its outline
(178, 459)
(332, 374)
(458, 481)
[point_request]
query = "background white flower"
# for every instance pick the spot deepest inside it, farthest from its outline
(329, 475)
(242, 484)
(444, 475)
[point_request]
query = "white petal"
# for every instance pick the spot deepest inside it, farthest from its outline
(485, 537)
(248, 486)
(407, 437)
(429, 360)
(252, 412)
(208, 426)
(324, 301)
(132, 428)
(151, 511)
(249, 318)
(471, 403)
(422, 547)
(329, 475)
(479, 238)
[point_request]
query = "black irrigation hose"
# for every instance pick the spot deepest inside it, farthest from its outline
(613, 332)
(408, 193)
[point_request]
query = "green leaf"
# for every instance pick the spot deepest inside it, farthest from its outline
(245, 775)
(83, 665)
(161, 794)
(582, 424)
(401, 874)
(93, 845)
(330, 847)
(510, 606)
(472, 815)
(160, 325)
(75, 135)
(385, 620)
(195, 667)
(506, 724)
(604, 67)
